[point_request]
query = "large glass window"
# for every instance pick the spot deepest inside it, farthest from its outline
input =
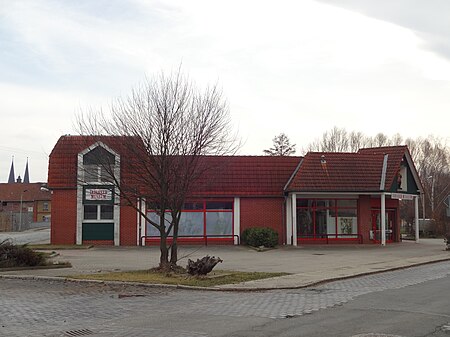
(327, 218)
(212, 218)
(191, 223)
(219, 223)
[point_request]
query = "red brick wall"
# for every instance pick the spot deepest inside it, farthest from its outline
(263, 212)
(99, 242)
(64, 217)
(128, 226)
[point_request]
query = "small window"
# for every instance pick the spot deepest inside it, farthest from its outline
(324, 203)
(45, 206)
(106, 212)
(304, 202)
(193, 206)
(219, 205)
(347, 203)
(90, 212)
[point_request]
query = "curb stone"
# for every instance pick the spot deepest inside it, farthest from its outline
(217, 288)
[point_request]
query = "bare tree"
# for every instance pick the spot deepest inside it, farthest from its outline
(281, 146)
(168, 125)
(339, 140)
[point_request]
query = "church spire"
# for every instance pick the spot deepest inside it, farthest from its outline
(26, 176)
(11, 178)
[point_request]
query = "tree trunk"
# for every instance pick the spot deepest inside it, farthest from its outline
(164, 258)
(202, 266)
(174, 248)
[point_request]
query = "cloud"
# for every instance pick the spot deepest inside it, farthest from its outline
(428, 19)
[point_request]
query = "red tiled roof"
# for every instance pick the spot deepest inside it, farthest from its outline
(62, 167)
(226, 176)
(395, 156)
(347, 172)
(29, 192)
(339, 172)
(246, 175)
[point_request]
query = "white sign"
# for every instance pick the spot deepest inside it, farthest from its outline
(402, 196)
(98, 194)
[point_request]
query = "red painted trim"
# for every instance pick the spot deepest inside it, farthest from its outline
(192, 241)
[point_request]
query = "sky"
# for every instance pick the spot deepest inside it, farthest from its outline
(300, 66)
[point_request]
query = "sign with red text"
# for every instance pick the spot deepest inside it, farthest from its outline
(98, 195)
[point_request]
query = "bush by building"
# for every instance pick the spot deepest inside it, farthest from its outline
(258, 236)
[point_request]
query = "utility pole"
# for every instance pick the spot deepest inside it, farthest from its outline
(21, 206)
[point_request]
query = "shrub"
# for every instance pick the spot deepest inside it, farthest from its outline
(258, 236)
(19, 256)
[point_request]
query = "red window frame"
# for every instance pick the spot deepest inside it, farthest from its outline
(205, 237)
(327, 237)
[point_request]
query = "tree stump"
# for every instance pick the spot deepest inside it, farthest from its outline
(202, 266)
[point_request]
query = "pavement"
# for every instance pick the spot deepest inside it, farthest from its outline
(307, 265)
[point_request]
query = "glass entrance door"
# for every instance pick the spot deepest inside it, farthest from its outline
(376, 226)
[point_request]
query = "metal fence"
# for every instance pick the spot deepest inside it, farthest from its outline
(10, 221)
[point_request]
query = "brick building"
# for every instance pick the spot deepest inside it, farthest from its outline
(23, 203)
(322, 197)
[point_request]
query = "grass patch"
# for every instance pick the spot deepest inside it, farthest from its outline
(215, 278)
(53, 247)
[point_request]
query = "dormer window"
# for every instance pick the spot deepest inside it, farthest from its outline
(98, 166)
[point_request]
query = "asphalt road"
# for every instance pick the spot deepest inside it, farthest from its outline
(418, 310)
(36, 235)
(410, 302)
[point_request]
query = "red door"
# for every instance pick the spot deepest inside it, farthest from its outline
(376, 226)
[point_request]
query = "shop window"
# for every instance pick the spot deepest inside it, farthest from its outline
(219, 223)
(191, 223)
(199, 219)
(327, 218)
(305, 222)
(155, 217)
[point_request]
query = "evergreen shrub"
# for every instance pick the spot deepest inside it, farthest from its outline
(260, 236)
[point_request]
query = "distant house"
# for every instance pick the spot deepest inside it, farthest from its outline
(319, 198)
(23, 203)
